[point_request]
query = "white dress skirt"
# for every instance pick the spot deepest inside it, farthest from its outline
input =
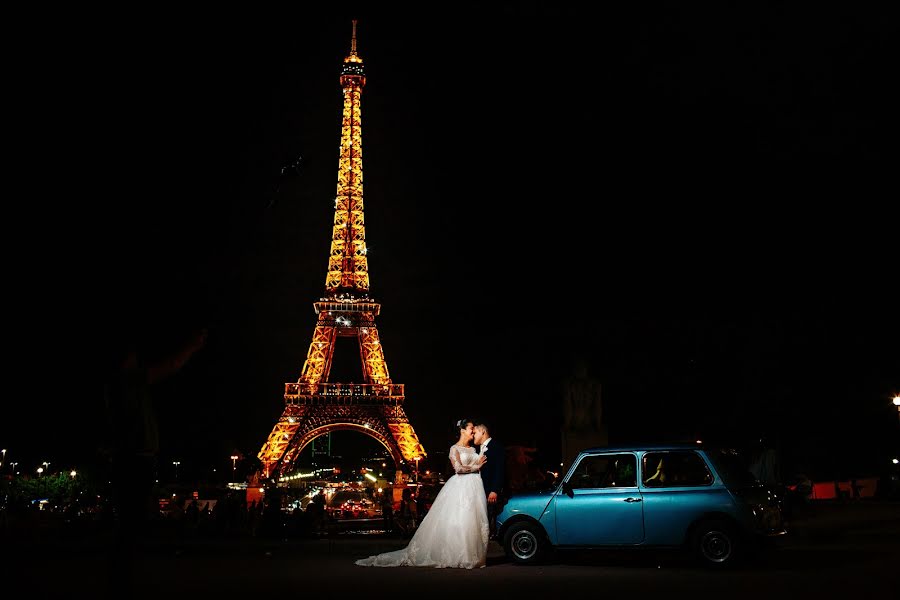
(454, 532)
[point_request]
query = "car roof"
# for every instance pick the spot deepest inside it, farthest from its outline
(643, 447)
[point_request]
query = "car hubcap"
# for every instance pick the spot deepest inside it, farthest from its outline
(715, 546)
(524, 545)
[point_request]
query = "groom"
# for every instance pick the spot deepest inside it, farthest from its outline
(493, 473)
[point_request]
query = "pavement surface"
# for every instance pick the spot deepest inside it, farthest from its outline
(832, 551)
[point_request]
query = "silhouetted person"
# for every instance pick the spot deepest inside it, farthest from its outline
(408, 514)
(387, 510)
(133, 445)
(192, 515)
(765, 464)
(271, 520)
(253, 517)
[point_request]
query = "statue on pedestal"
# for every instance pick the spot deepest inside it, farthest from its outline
(583, 425)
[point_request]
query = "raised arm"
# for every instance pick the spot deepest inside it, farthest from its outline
(173, 362)
(457, 463)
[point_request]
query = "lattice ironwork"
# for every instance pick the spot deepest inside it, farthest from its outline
(313, 405)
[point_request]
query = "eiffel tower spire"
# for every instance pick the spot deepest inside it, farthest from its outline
(348, 269)
(353, 40)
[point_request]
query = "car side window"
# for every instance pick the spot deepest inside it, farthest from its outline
(674, 469)
(604, 471)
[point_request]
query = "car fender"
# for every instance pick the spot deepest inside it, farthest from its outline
(541, 513)
(501, 533)
(711, 516)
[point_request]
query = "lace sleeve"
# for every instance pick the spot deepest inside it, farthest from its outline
(457, 463)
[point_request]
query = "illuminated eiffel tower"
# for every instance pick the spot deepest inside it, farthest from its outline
(313, 405)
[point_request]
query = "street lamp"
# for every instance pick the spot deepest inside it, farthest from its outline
(3, 460)
(896, 402)
(234, 458)
(40, 470)
(417, 468)
(176, 463)
(73, 473)
(13, 464)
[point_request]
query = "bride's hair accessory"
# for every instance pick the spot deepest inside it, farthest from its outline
(461, 424)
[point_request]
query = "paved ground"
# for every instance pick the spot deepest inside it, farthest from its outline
(836, 551)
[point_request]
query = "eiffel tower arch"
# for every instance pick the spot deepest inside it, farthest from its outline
(314, 405)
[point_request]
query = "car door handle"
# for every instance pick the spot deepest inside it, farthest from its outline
(633, 499)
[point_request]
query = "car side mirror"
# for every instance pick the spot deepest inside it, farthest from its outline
(567, 489)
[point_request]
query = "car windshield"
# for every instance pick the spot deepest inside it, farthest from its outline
(731, 467)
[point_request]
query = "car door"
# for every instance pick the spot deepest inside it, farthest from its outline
(678, 488)
(599, 503)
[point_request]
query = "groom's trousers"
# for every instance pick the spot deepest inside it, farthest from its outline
(493, 510)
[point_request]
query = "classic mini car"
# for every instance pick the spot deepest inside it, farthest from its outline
(682, 496)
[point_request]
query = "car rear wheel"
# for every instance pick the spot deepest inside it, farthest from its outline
(525, 543)
(716, 544)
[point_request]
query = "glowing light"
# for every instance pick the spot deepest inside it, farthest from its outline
(896, 401)
(895, 461)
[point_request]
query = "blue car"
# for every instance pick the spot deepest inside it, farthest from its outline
(668, 496)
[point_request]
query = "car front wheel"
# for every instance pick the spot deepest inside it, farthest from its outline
(525, 543)
(716, 544)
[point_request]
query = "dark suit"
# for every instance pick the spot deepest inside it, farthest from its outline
(493, 476)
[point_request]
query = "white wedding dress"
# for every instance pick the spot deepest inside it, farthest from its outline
(454, 532)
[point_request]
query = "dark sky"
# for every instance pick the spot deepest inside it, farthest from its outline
(693, 201)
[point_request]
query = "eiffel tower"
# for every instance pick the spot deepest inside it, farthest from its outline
(314, 406)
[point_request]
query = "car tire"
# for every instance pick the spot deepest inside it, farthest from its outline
(716, 544)
(525, 543)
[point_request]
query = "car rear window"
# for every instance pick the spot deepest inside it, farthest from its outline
(674, 469)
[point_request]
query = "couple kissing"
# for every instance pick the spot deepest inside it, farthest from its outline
(456, 530)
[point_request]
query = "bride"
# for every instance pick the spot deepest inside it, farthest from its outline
(454, 532)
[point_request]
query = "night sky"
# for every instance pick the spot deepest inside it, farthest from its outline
(693, 201)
